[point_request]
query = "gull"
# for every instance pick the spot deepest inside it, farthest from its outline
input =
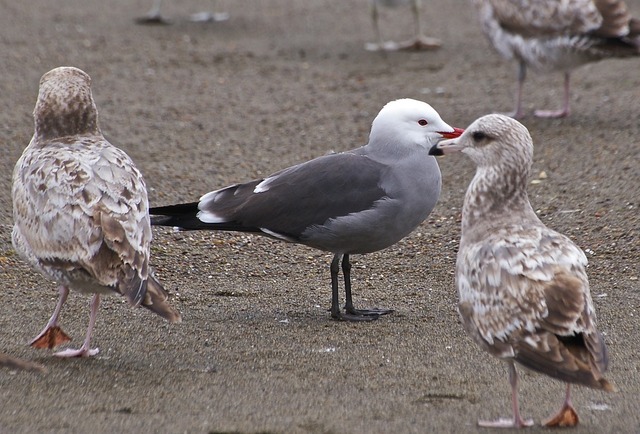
(155, 17)
(558, 36)
(80, 209)
(420, 42)
(523, 288)
(354, 202)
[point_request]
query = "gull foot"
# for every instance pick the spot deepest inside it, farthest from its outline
(552, 114)
(506, 423)
(356, 315)
(420, 44)
(152, 19)
(205, 17)
(50, 337)
(82, 352)
(567, 417)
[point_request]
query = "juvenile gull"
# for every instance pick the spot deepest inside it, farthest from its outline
(558, 36)
(80, 208)
(524, 293)
(419, 42)
(347, 203)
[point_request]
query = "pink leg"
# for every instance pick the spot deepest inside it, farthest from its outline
(517, 421)
(52, 335)
(567, 416)
(84, 350)
(518, 113)
(565, 111)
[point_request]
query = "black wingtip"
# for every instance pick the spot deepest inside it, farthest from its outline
(174, 210)
(435, 151)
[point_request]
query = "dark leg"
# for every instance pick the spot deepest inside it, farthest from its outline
(348, 306)
(517, 421)
(335, 302)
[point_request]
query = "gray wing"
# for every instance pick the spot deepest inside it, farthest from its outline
(289, 201)
(524, 294)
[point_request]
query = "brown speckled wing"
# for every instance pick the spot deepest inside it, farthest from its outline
(84, 203)
(524, 294)
(547, 18)
(531, 18)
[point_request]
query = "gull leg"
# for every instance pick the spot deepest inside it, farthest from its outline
(84, 350)
(153, 16)
(517, 421)
(567, 416)
(379, 45)
(420, 42)
(565, 110)
(52, 335)
(366, 314)
(335, 302)
(518, 113)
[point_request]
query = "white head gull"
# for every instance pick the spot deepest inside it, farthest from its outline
(80, 208)
(353, 202)
(524, 293)
(419, 42)
(558, 36)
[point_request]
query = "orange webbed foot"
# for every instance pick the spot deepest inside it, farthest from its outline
(566, 417)
(50, 337)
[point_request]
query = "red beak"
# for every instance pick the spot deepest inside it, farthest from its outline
(456, 133)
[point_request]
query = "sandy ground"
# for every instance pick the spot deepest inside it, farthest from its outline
(199, 106)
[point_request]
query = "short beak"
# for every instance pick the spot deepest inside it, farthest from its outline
(445, 147)
(456, 133)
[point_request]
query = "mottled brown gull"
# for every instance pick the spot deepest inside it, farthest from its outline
(524, 293)
(353, 202)
(80, 208)
(558, 36)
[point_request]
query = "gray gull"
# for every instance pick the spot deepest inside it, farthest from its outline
(80, 208)
(346, 203)
(558, 36)
(523, 288)
(420, 42)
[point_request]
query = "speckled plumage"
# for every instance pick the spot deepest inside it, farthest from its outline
(524, 293)
(558, 35)
(79, 204)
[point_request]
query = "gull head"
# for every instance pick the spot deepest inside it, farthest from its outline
(492, 140)
(65, 106)
(409, 123)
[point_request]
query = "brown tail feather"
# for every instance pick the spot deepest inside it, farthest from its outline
(566, 361)
(155, 300)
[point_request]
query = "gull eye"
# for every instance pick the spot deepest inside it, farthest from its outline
(422, 122)
(479, 136)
